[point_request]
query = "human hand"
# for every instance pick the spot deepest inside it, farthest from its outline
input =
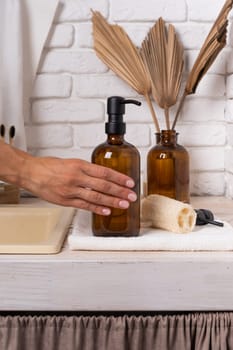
(77, 183)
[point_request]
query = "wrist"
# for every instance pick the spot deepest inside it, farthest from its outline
(12, 170)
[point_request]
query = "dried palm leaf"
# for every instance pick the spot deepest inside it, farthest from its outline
(163, 55)
(114, 47)
(213, 44)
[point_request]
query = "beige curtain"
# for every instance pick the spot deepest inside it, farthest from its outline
(199, 331)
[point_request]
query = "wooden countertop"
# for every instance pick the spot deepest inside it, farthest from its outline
(121, 281)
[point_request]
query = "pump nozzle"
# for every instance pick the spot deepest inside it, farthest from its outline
(116, 104)
(135, 102)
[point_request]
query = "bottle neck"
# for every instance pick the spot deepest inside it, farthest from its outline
(114, 139)
(167, 137)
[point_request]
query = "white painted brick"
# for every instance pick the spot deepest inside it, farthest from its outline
(230, 34)
(230, 63)
(83, 37)
(72, 61)
(94, 134)
(49, 136)
(61, 35)
(102, 86)
(50, 85)
(76, 111)
(229, 159)
(229, 111)
(229, 187)
(229, 86)
(142, 113)
(137, 31)
(202, 110)
(170, 10)
(229, 130)
(212, 85)
(89, 135)
(207, 159)
(192, 35)
(204, 10)
(138, 135)
(84, 153)
(207, 184)
(80, 10)
(219, 66)
(201, 135)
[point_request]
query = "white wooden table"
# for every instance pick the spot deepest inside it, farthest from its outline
(121, 281)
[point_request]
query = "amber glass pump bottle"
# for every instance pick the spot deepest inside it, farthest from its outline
(119, 155)
(168, 168)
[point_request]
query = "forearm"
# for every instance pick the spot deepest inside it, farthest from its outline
(70, 182)
(12, 163)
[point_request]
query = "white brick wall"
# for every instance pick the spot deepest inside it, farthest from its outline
(50, 86)
(73, 10)
(147, 10)
(60, 36)
(101, 86)
(48, 136)
(72, 85)
(203, 10)
(67, 111)
(59, 61)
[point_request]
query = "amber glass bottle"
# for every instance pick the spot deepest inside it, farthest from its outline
(168, 168)
(119, 155)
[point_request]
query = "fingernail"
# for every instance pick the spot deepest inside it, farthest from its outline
(124, 204)
(130, 183)
(132, 197)
(106, 211)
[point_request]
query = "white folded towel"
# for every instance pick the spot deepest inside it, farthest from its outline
(203, 238)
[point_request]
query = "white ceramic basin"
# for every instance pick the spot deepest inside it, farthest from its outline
(33, 230)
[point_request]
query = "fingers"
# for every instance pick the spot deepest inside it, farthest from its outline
(110, 189)
(82, 204)
(98, 171)
(75, 202)
(107, 181)
(101, 199)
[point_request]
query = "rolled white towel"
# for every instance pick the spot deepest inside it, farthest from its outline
(168, 214)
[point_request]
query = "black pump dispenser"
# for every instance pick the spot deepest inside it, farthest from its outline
(115, 110)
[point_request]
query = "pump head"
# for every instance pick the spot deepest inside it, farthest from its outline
(115, 110)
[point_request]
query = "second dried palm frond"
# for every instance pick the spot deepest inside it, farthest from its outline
(213, 44)
(163, 55)
(114, 47)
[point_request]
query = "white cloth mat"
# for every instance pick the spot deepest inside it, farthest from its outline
(203, 238)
